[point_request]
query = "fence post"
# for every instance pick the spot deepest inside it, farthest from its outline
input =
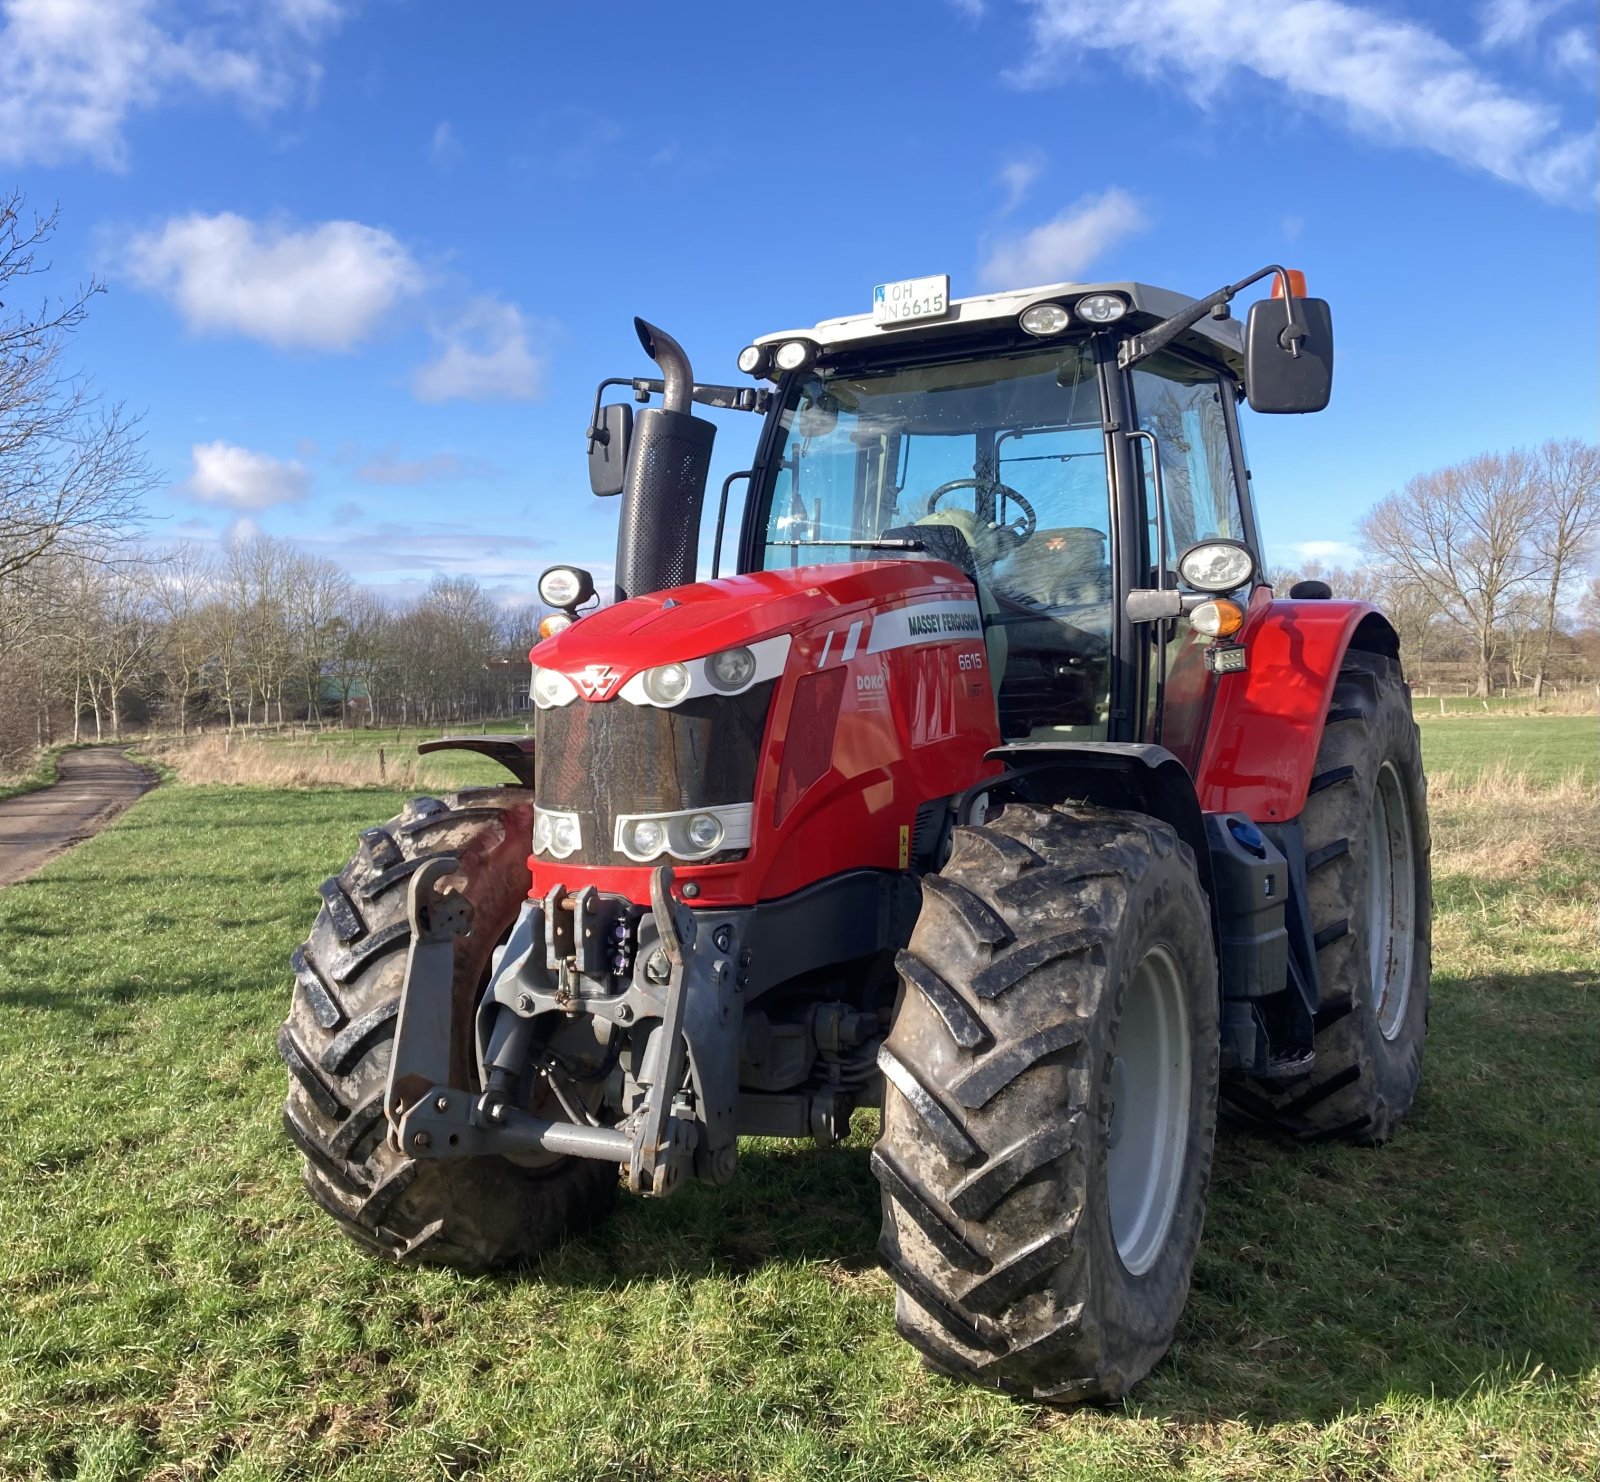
(383, 770)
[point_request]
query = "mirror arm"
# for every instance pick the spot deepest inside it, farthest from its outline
(729, 398)
(1137, 347)
(597, 430)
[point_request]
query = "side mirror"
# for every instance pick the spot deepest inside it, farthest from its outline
(1275, 378)
(608, 448)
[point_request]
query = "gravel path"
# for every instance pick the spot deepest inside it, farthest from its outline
(95, 786)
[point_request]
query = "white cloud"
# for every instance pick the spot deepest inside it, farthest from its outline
(385, 468)
(1574, 50)
(72, 72)
(237, 478)
(483, 356)
(1389, 80)
(1063, 247)
(1017, 177)
(972, 9)
(444, 149)
(1512, 22)
(1326, 550)
(323, 288)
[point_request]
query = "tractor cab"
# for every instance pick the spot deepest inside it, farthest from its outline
(1063, 446)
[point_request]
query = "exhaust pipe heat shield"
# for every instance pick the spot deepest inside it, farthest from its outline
(658, 534)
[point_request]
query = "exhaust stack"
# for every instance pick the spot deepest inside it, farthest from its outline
(658, 534)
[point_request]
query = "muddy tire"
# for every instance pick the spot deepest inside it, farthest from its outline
(1050, 1088)
(1365, 826)
(474, 1214)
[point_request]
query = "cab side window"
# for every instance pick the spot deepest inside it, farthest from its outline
(1181, 403)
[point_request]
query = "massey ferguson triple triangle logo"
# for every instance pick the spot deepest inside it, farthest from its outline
(596, 680)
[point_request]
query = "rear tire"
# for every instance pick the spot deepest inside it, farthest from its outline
(1030, 1251)
(1365, 826)
(475, 1214)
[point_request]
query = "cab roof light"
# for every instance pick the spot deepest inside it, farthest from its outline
(1044, 319)
(1297, 283)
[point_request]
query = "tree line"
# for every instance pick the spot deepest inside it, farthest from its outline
(257, 633)
(1487, 565)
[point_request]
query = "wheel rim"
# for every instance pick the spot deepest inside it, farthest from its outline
(1149, 1124)
(1391, 901)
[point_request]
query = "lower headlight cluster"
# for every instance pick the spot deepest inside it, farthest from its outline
(556, 834)
(695, 833)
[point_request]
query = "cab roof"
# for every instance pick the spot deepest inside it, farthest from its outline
(1221, 338)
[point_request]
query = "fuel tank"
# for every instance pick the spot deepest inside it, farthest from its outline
(844, 700)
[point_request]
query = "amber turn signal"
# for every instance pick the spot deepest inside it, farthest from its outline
(557, 622)
(1217, 619)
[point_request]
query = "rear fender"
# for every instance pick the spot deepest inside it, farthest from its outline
(1266, 723)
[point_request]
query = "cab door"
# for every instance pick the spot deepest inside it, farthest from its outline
(1187, 408)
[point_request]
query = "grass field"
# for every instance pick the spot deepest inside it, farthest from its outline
(41, 773)
(173, 1307)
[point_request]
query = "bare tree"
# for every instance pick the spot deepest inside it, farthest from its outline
(128, 633)
(316, 595)
(256, 575)
(182, 587)
(72, 471)
(1463, 535)
(1565, 533)
(361, 658)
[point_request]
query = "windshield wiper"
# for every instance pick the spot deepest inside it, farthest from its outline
(866, 545)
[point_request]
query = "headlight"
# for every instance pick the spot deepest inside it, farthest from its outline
(648, 838)
(704, 831)
(732, 669)
(1101, 308)
(556, 834)
(565, 586)
(551, 687)
(666, 684)
(795, 354)
(1045, 319)
(694, 833)
(1216, 565)
(753, 359)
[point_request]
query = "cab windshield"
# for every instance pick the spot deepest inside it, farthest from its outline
(1008, 455)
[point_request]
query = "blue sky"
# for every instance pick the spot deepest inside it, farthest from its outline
(368, 258)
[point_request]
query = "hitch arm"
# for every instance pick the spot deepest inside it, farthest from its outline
(420, 1057)
(660, 1149)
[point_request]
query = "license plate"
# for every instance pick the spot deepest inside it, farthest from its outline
(911, 298)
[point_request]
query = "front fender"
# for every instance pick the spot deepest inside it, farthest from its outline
(1266, 723)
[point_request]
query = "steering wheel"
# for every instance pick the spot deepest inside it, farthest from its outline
(1020, 529)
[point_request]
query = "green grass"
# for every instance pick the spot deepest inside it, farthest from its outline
(174, 1307)
(1545, 748)
(41, 774)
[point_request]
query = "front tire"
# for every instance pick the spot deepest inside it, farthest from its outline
(1050, 1103)
(475, 1214)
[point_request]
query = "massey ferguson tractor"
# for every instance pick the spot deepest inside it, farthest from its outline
(992, 785)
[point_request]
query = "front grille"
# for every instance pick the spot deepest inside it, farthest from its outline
(602, 760)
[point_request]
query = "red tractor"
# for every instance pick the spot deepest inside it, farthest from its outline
(994, 786)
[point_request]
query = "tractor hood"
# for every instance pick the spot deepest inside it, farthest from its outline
(602, 652)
